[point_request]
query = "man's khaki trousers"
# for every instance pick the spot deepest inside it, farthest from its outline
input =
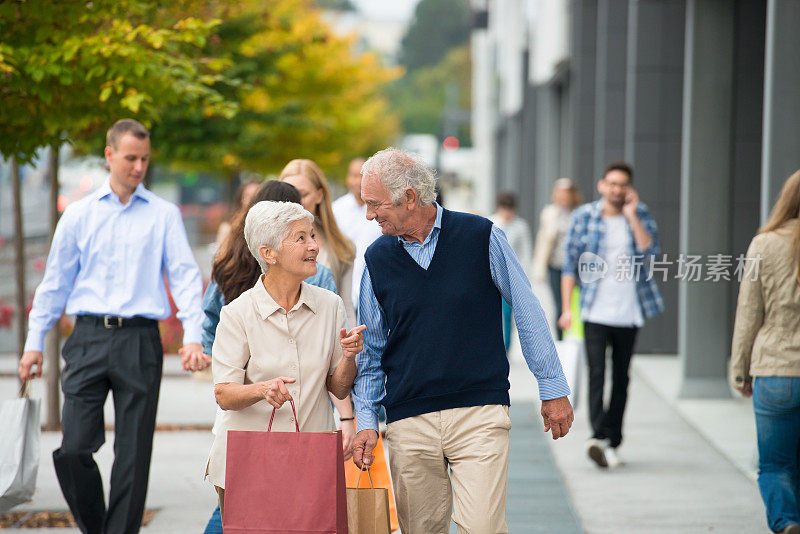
(473, 443)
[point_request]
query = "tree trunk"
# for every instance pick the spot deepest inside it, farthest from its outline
(52, 353)
(19, 261)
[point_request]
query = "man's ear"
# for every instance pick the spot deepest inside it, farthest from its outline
(108, 152)
(410, 198)
(601, 186)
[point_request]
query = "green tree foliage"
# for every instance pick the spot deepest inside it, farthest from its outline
(74, 66)
(302, 91)
(437, 27)
(420, 97)
(436, 54)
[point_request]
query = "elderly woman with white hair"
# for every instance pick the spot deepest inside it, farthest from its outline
(282, 339)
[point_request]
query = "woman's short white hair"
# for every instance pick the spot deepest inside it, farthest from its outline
(398, 170)
(268, 223)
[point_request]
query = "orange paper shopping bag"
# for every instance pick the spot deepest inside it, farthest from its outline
(380, 476)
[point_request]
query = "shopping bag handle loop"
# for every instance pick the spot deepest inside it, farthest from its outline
(296, 426)
(23, 388)
(360, 472)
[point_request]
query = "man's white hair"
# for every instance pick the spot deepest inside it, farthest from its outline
(268, 223)
(399, 170)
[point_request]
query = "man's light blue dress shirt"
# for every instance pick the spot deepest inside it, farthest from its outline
(111, 259)
(509, 277)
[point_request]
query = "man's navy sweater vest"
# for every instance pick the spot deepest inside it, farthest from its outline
(445, 346)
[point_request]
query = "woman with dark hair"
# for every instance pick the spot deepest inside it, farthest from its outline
(233, 272)
(243, 197)
(765, 355)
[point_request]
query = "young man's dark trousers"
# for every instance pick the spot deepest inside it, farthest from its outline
(607, 422)
(100, 356)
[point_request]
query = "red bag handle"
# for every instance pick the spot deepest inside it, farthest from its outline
(291, 401)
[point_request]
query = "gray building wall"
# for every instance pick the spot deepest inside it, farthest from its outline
(781, 154)
(610, 84)
(581, 96)
(701, 97)
(654, 85)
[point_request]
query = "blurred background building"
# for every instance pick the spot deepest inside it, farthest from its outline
(699, 95)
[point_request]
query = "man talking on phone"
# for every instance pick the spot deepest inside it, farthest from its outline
(608, 249)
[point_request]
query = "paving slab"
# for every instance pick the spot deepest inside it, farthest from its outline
(674, 479)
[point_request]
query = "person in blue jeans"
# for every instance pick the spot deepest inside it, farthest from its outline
(765, 355)
(237, 271)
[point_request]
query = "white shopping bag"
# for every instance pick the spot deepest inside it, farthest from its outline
(572, 352)
(19, 450)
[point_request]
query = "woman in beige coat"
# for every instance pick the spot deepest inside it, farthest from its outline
(765, 360)
(548, 252)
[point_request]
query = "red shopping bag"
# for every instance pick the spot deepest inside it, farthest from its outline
(281, 482)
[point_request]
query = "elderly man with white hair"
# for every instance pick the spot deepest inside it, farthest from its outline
(434, 354)
(283, 339)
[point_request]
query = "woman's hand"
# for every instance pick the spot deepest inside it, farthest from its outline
(352, 341)
(275, 390)
(746, 389)
(348, 429)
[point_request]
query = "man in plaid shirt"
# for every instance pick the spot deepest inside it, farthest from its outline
(608, 248)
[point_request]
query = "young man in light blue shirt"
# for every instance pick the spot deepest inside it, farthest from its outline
(110, 253)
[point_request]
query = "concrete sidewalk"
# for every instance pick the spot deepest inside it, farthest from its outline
(676, 479)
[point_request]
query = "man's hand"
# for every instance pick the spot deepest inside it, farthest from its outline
(631, 203)
(557, 415)
(192, 357)
(746, 389)
(363, 445)
(565, 321)
(353, 341)
(348, 429)
(26, 363)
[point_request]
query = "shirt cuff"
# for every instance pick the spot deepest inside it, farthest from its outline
(35, 340)
(192, 334)
(366, 420)
(553, 388)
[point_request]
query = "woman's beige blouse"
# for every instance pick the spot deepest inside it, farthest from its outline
(257, 340)
(766, 334)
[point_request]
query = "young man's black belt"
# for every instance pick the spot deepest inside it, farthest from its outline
(112, 321)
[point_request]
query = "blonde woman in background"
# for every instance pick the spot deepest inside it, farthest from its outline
(336, 252)
(548, 251)
(765, 355)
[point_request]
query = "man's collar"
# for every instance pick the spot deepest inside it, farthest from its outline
(140, 192)
(437, 223)
(266, 305)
